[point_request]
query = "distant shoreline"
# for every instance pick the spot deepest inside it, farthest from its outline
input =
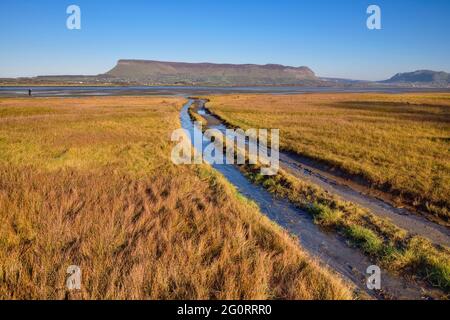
(187, 91)
(369, 86)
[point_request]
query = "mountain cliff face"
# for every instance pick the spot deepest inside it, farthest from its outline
(157, 72)
(421, 76)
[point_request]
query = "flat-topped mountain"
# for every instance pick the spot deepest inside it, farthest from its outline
(149, 72)
(422, 77)
(158, 72)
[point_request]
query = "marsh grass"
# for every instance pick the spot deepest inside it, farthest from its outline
(88, 181)
(392, 247)
(398, 143)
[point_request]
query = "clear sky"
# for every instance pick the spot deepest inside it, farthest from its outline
(329, 36)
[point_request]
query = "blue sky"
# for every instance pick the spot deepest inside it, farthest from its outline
(329, 36)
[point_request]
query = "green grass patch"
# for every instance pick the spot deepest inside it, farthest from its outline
(378, 238)
(366, 239)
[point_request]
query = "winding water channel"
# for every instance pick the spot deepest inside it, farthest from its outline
(330, 248)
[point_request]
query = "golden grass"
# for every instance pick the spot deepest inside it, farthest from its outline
(397, 143)
(392, 247)
(88, 181)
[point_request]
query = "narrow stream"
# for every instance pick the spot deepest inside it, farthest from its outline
(308, 170)
(329, 248)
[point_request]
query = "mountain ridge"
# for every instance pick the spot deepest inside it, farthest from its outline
(128, 72)
(164, 72)
(420, 76)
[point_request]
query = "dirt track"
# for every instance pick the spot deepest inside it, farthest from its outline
(329, 248)
(350, 190)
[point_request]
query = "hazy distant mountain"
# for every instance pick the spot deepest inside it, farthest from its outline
(342, 80)
(157, 72)
(421, 77)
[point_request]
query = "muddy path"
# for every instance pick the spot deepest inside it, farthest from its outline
(329, 248)
(348, 190)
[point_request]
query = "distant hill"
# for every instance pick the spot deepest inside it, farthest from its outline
(157, 72)
(421, 77)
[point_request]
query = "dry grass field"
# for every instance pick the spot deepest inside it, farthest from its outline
(397, 143)
(89, 182)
